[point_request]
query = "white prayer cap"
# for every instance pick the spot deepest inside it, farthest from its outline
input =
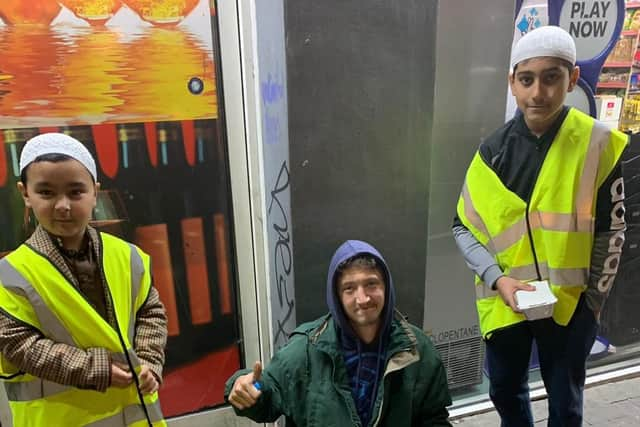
(544, 41)
(57, 143)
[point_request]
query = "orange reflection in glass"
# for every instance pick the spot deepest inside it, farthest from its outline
(165, 61)
(60, 78)
(92, 75)
(162, 12)
(30, 55)
(96, 12)
(28, 12)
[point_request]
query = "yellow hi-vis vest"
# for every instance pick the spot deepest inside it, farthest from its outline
(34, 291)
(560, 218)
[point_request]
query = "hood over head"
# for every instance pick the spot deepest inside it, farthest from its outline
(346, 251)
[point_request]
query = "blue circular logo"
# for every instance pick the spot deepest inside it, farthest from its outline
(196, 85)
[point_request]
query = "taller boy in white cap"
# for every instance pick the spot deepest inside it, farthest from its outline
(542, 201)
(82, 330)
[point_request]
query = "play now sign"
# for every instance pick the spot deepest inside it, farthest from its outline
(591, 23)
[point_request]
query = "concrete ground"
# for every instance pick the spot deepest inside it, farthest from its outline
(615, 404)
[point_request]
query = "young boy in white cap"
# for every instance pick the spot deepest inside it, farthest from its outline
(82, 330)
(542, 201)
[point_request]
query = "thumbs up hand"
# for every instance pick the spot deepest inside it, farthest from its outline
(247, 389)
(257, 374)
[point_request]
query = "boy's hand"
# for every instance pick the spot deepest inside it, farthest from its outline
(244, 393)
(148, 382)
(120, 376)
(507, 287)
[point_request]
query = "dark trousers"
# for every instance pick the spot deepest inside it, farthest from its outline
(562, 352)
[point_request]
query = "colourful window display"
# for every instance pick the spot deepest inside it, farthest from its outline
(137, 83)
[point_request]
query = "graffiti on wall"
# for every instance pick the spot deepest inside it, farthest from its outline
(276, 170)
(280, 222)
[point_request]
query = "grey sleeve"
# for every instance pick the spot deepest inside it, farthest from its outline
(477, 257)
(608, 239)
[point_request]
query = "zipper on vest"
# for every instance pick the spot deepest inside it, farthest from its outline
(125, 350)
(530, 234)
(103, 277)
(531, 190)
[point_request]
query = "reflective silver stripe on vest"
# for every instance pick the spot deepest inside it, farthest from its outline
(483, 291)
(473, 217)
(567, 222)
(526, 273)
(510, 236)
(131, 414)
(561, 221)
(135, 361)
(26, 391)
(155, 412)
(557, 276)
(569, 276)
(581, 221)
(137, 271)
(49, 323)
(600, 137)
(35, 389)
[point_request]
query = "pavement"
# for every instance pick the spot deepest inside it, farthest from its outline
(613, 404)
(608, 404)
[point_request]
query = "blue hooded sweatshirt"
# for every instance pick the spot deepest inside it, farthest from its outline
(364, 362)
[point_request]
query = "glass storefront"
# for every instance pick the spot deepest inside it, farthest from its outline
(381, 156)
(233, 180)
(138, 82)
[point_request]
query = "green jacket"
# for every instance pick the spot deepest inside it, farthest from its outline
(307, 381)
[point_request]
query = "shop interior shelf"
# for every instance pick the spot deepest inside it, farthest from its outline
(622, 64)
(618, 85)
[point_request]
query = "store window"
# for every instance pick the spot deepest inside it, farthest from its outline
(618, 87)
(379, 156)
(138, 83)
(617, 98)
(618, 105)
